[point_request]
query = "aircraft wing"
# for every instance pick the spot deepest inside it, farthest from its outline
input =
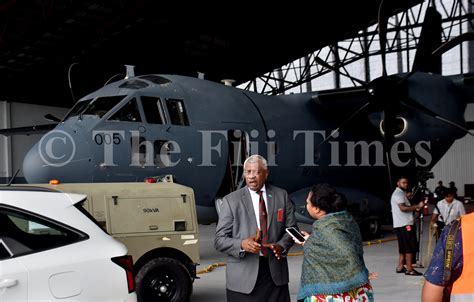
(343, 99)
(38, 129)
(466, 81)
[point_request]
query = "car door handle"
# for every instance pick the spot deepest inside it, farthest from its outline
(6, 283)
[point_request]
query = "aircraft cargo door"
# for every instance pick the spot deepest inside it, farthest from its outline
(246, 135)
(149, 214)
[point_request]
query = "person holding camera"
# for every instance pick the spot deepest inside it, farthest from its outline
(440, 191)
(404, 227)
(446, 211)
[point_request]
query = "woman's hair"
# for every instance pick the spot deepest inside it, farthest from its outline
(327, 199)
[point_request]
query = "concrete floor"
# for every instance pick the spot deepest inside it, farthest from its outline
(381, 258)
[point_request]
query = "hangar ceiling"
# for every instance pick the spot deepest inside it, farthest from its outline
(39, 40)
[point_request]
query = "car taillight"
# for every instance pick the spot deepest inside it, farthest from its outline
(126, 262)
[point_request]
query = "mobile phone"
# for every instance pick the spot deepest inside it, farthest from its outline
(295, 234)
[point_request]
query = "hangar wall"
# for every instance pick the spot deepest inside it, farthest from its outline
(13, 149)
(457, 165)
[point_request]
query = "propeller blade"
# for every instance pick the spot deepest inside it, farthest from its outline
(429, 40)
(469, 36)
(389, 168)
(326, 65)
(382, 28)
(418, 107)
(389, 124)
(350, 118)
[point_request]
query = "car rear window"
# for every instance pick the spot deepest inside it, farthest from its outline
(80, 207)
(4, 254)
(23, 232)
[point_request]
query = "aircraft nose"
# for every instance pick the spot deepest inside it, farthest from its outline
(61, 154)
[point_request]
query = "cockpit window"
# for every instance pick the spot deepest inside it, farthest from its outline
(128, 113)
(153, 110)
(177, 112)
(78, 108)
(155, 79)
(134, 84)
(102, 105)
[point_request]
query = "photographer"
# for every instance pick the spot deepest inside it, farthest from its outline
(446, 211)
(404, 227)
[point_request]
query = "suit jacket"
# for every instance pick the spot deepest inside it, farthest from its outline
(237, 221)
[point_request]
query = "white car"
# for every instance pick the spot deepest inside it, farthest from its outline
(51, 249)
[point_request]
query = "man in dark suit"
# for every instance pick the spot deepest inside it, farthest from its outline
(256, 271)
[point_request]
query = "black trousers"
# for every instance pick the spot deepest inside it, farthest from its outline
(264, 290)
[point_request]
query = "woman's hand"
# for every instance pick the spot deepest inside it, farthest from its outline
(305, 235)
(373, 275)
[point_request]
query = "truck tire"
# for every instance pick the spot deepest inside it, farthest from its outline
(370, 229)
(163, 279)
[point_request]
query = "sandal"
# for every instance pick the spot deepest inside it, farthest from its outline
(413, 273)
(402, 270)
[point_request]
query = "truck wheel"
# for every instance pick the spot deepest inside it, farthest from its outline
(163, 279)
(371, 229)
(374, 228)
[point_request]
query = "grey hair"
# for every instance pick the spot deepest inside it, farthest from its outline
(255, 159)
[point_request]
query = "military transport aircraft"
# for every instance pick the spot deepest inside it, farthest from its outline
(201, 132)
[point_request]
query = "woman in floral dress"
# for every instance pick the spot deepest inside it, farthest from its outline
(333, 265)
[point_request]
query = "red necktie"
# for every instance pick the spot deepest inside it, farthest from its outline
(263, 222)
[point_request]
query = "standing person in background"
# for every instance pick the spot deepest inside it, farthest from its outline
(446, 211)
(440, 191)
(452, 186)
(404, 227)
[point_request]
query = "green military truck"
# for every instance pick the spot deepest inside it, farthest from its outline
(158, 224)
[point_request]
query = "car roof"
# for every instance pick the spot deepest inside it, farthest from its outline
(38, 199)
(26, 188)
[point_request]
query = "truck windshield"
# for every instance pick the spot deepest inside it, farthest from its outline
(98, 106)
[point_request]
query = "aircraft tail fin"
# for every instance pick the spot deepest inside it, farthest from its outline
(430, 40)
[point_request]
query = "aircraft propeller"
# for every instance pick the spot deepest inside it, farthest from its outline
(388, 93)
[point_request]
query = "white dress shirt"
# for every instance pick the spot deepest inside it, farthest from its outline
(256, 204)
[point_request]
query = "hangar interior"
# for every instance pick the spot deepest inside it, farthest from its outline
(53, 54)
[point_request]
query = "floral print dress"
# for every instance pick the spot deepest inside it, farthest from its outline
(361, 294)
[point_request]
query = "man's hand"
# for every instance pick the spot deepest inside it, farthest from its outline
(250, 245)
(275, 248)
(420, 205)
